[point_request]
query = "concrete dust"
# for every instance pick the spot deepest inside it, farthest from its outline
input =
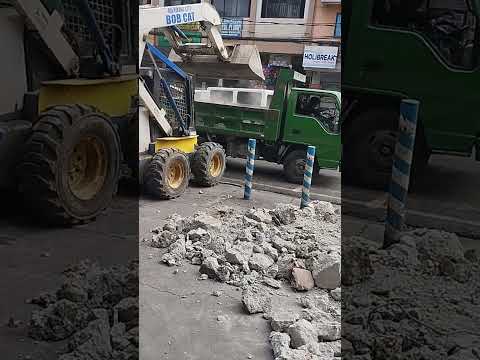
(418, 299)
(95, 311)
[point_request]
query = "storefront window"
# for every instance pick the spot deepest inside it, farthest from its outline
(232, 8)
(283, 9)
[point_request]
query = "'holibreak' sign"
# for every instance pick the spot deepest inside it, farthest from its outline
(321, 57)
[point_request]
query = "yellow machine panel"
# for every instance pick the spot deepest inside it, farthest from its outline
(112, 96)
(186, 144)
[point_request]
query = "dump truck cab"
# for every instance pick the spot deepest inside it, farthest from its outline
(311, 112)
(425, 50)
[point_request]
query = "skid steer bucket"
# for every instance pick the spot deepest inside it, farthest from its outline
(244, 64)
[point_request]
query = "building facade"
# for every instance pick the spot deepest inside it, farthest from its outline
(301, 34)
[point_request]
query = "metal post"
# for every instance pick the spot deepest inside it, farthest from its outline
(252, 143)
(402, 162)
(307, 177)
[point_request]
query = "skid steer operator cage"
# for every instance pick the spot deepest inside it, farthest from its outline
(115, 22)
(172, 90)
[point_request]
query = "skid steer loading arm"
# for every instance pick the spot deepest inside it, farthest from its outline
(210, 59)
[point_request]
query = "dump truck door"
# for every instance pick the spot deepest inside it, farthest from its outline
(313, 119)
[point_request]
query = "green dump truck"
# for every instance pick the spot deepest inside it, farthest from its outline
(295, 118)
(392, 50)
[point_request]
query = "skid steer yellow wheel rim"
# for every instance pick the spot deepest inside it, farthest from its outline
(176, 174)
(87, 168)
(216, 165)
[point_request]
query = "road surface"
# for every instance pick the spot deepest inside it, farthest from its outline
(447, 197)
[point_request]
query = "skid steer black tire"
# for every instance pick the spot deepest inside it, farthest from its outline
(70, 169)
(157, 181)
(208, 164)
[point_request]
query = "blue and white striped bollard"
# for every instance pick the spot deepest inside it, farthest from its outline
(402, 163)
(252, 143)
(307, 177)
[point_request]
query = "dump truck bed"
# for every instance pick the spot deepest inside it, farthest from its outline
(238, 120)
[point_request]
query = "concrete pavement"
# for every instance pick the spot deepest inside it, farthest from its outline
(178, 314)
(32, 259)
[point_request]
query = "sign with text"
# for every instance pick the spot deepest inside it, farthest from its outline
(320, 57)
(232, 27)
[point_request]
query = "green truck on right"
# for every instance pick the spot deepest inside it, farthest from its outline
(393, 50)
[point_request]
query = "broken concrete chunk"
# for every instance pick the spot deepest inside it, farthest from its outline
(284, 214)
(325, 270)
(256, 299)
(281, 320)
(92, 342)
(199, 234)
(272, 282)
(204, 221)
(239, 253)
(285, 265)
(336, 294)
(58, 321)
(164, 239)
(269, 250)
(302, 280)
(280, 341)
(210, 267)
(127, 310)
(260, 262)
(176, 252)
(328, 331)
(296, 354)
(260, 215)
(279, 243)
(359, 266)
(303, 332)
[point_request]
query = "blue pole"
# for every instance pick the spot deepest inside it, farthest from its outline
(402, 163)
(307, 177)
(252, 143)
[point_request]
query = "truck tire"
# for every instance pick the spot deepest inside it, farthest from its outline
(294, 166)
(70, 170)
(369, 146)
(167, 175)
(208, 164)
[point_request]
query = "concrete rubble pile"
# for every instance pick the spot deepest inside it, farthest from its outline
(313, 333)
(418, 299)
(95, 312)
(259, 250)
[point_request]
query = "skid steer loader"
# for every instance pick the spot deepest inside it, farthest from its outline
(70, 67)
(168, 145)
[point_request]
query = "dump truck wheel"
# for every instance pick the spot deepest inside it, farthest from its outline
(70, 170)
(208, 164)
(294, 166)
(167, 175)
(371, 141)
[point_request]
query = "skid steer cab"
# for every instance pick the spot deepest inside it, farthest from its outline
(170, 155)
